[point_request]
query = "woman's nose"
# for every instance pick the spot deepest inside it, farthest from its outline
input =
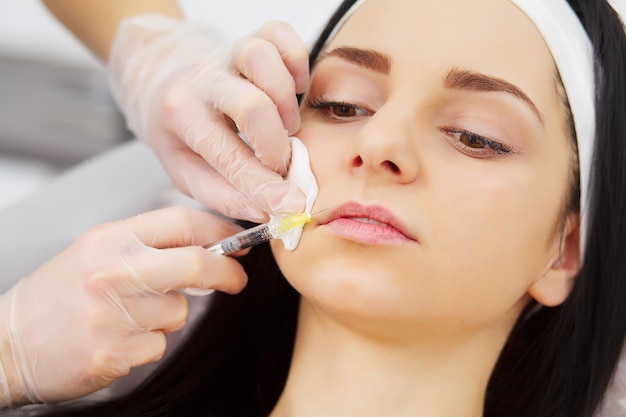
(385, 147)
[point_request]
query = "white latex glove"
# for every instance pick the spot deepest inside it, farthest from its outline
(103, 306)
(187, 94)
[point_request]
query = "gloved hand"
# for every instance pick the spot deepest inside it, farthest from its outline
(187, 94)
(103, 306)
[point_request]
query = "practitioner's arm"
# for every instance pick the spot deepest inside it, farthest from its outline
(95, 22)
(102, 307)
(186, 93)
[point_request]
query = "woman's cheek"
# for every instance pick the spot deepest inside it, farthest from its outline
(322, 153)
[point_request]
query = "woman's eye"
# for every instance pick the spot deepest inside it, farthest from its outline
(472, 140)
(476, 145)
(343, 110)
(337, 110)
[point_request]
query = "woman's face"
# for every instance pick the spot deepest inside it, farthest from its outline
(437, 136)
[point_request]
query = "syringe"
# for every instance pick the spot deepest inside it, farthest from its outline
(276, 228)
(259, 234)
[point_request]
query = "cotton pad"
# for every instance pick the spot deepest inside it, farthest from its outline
(301, 175)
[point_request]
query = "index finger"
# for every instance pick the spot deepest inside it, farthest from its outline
(292, 49)
(235, 161)
(180, 226)
(189, 267)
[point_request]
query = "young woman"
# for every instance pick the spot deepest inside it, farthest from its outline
(470, 260)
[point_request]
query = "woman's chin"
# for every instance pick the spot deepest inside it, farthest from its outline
(344, 289)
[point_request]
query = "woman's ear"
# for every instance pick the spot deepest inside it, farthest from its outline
(553, 287)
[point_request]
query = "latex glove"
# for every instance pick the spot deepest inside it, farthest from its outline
(186, 94)
(101, 307)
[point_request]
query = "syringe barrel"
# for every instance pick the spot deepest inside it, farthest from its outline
(245, 239)
(259, 234)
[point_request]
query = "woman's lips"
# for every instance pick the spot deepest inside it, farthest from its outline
(367, 224)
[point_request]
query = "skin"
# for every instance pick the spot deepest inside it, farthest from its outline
(95, 22)
(103, 305)
(187, 118)
(410, 325)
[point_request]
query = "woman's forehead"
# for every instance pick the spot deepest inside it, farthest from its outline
(493, 30)
(491, 37)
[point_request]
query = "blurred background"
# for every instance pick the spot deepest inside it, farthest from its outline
(55, 107)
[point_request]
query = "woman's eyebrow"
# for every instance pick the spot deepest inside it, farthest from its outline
(468, 80)
(366, 58)
(455, 78)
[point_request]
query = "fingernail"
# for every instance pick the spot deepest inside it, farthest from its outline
(198, 292)
(254, 215)
(245, 209)
(293, 123)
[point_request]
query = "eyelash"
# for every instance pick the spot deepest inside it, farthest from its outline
(327, 108)
(496, 147)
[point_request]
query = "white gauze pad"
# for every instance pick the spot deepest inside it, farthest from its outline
(301, 175)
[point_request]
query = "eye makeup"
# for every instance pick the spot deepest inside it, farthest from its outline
(475, 145)
(337, 110)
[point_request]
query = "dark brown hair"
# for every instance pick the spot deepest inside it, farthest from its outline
(557, 361)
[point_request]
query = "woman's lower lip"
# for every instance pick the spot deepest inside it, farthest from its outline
(360, 231)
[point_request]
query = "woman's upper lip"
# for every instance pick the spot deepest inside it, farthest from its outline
(372, 212)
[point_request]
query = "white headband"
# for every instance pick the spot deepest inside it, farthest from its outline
(572, 52)
(573, 55)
